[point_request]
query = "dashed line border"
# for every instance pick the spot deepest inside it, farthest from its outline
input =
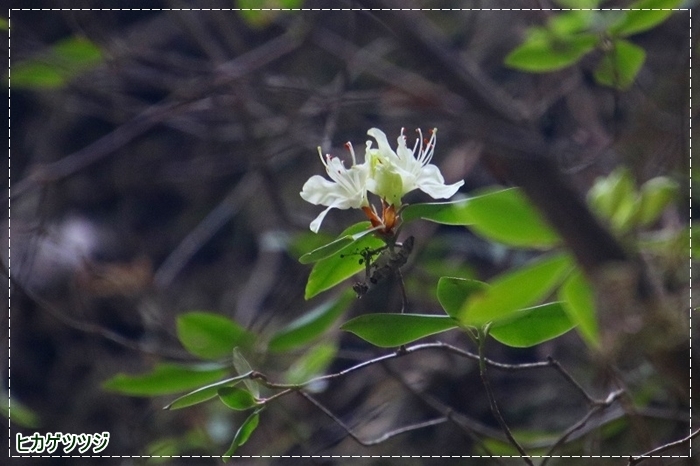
(9, 210)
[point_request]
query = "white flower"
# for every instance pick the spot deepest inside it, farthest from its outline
(348, 190)
(413, 168)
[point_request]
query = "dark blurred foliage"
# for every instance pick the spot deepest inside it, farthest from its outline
(166, 179)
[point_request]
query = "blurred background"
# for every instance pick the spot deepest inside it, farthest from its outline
(156, 163)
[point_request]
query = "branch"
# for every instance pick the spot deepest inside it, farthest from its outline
(103, 332)
(598, 405)
(492, 400)
(403, 351)
(203, 232)
(638, 459)
(382, 438)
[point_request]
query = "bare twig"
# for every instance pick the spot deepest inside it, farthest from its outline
(99, 149)
(492, 401)
(571, 380)
(106, 333)
(598, 406)
(650, 454)
(382, 438)
(473, 429)
(221, 214)
(399, 353)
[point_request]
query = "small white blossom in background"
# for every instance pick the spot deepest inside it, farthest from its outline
(386, 173)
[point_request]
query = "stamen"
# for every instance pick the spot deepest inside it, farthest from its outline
(348, 146)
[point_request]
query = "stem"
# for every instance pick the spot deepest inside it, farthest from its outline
(598, 405)
(404, 298)
(492, 400)
(382, 438)
(638, 459)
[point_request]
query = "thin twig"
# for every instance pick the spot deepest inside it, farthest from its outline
(100, 148)
(382, 438)
(399, 353)
(402, 285)
(106, 333)
(638, 459)
(492, 400)
(203, 232)
(598, 405)
(471, 428)
(571, 380)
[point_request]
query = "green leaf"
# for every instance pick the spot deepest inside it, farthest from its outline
(35, 74)
(571, 22)
(237, 398)
(165, 379)
(579, 3)
(454, 292)
(507, 216)
(312, 324)
(446, 213)
(211, 336)
(502, 215)
(600, 197)
(656, 194)
(18, 413)
(578, 299)
(391, 330)
(61, 62)
(203, 394)
(4, 25)
(543, 51)
(306, 241)
(261, 13)
(243, 434)
(77, 52)
(346, 239)
(243, 367)
(615, 199)
(532, 326)
(342, 265)
(644, 15)
(314, 362)
(619, 66)
(514, 290)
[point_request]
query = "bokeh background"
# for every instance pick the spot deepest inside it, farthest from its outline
(156, 169)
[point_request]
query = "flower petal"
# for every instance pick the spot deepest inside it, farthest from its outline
(316, 223)
(319, 191)
(385, 152)
(431, 182)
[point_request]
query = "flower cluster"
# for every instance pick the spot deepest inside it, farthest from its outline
(386, 173)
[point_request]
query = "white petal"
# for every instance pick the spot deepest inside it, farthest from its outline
(406, 157)
(318, 190)
(316, 223)
(385, 153)
(431, 182)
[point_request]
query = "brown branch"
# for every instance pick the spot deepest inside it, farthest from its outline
(106, 145)
(638, 459)
(403, 351)
(598, 406)
(203, 232)
(473, 429)
(382, 438)
(105, 333)
(571, 380)
(492, 400)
